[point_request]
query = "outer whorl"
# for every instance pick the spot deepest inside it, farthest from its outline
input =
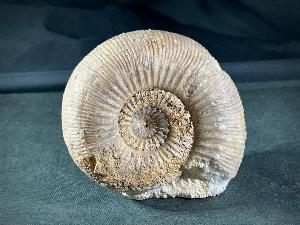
(151, 114)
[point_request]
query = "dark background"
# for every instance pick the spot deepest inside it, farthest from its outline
(256, 41)
(55, 35)
(39, 36)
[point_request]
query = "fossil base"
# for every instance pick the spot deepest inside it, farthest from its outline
(187, 186)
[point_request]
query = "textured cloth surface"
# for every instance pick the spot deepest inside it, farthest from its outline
(41, 185)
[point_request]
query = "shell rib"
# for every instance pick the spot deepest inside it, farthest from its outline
(152, 114)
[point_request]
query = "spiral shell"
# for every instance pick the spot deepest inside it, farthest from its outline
(152, 114)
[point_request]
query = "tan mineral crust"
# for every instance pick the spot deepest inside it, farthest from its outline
(151, 114)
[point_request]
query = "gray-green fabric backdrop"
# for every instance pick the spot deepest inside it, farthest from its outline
(40, 184)
(41, 41)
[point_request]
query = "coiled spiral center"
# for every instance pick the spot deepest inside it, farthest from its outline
(147, 122)
(151, 119)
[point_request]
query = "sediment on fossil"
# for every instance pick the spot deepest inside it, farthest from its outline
(151, 114)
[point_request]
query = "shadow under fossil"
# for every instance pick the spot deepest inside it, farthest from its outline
(265, 179)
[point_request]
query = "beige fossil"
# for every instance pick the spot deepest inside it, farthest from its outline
(152, 114)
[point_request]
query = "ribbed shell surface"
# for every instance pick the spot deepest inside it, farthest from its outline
(183, 81)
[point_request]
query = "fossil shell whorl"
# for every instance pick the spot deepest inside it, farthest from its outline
(151, 114)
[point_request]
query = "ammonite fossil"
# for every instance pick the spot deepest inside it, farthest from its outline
(152, 114)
